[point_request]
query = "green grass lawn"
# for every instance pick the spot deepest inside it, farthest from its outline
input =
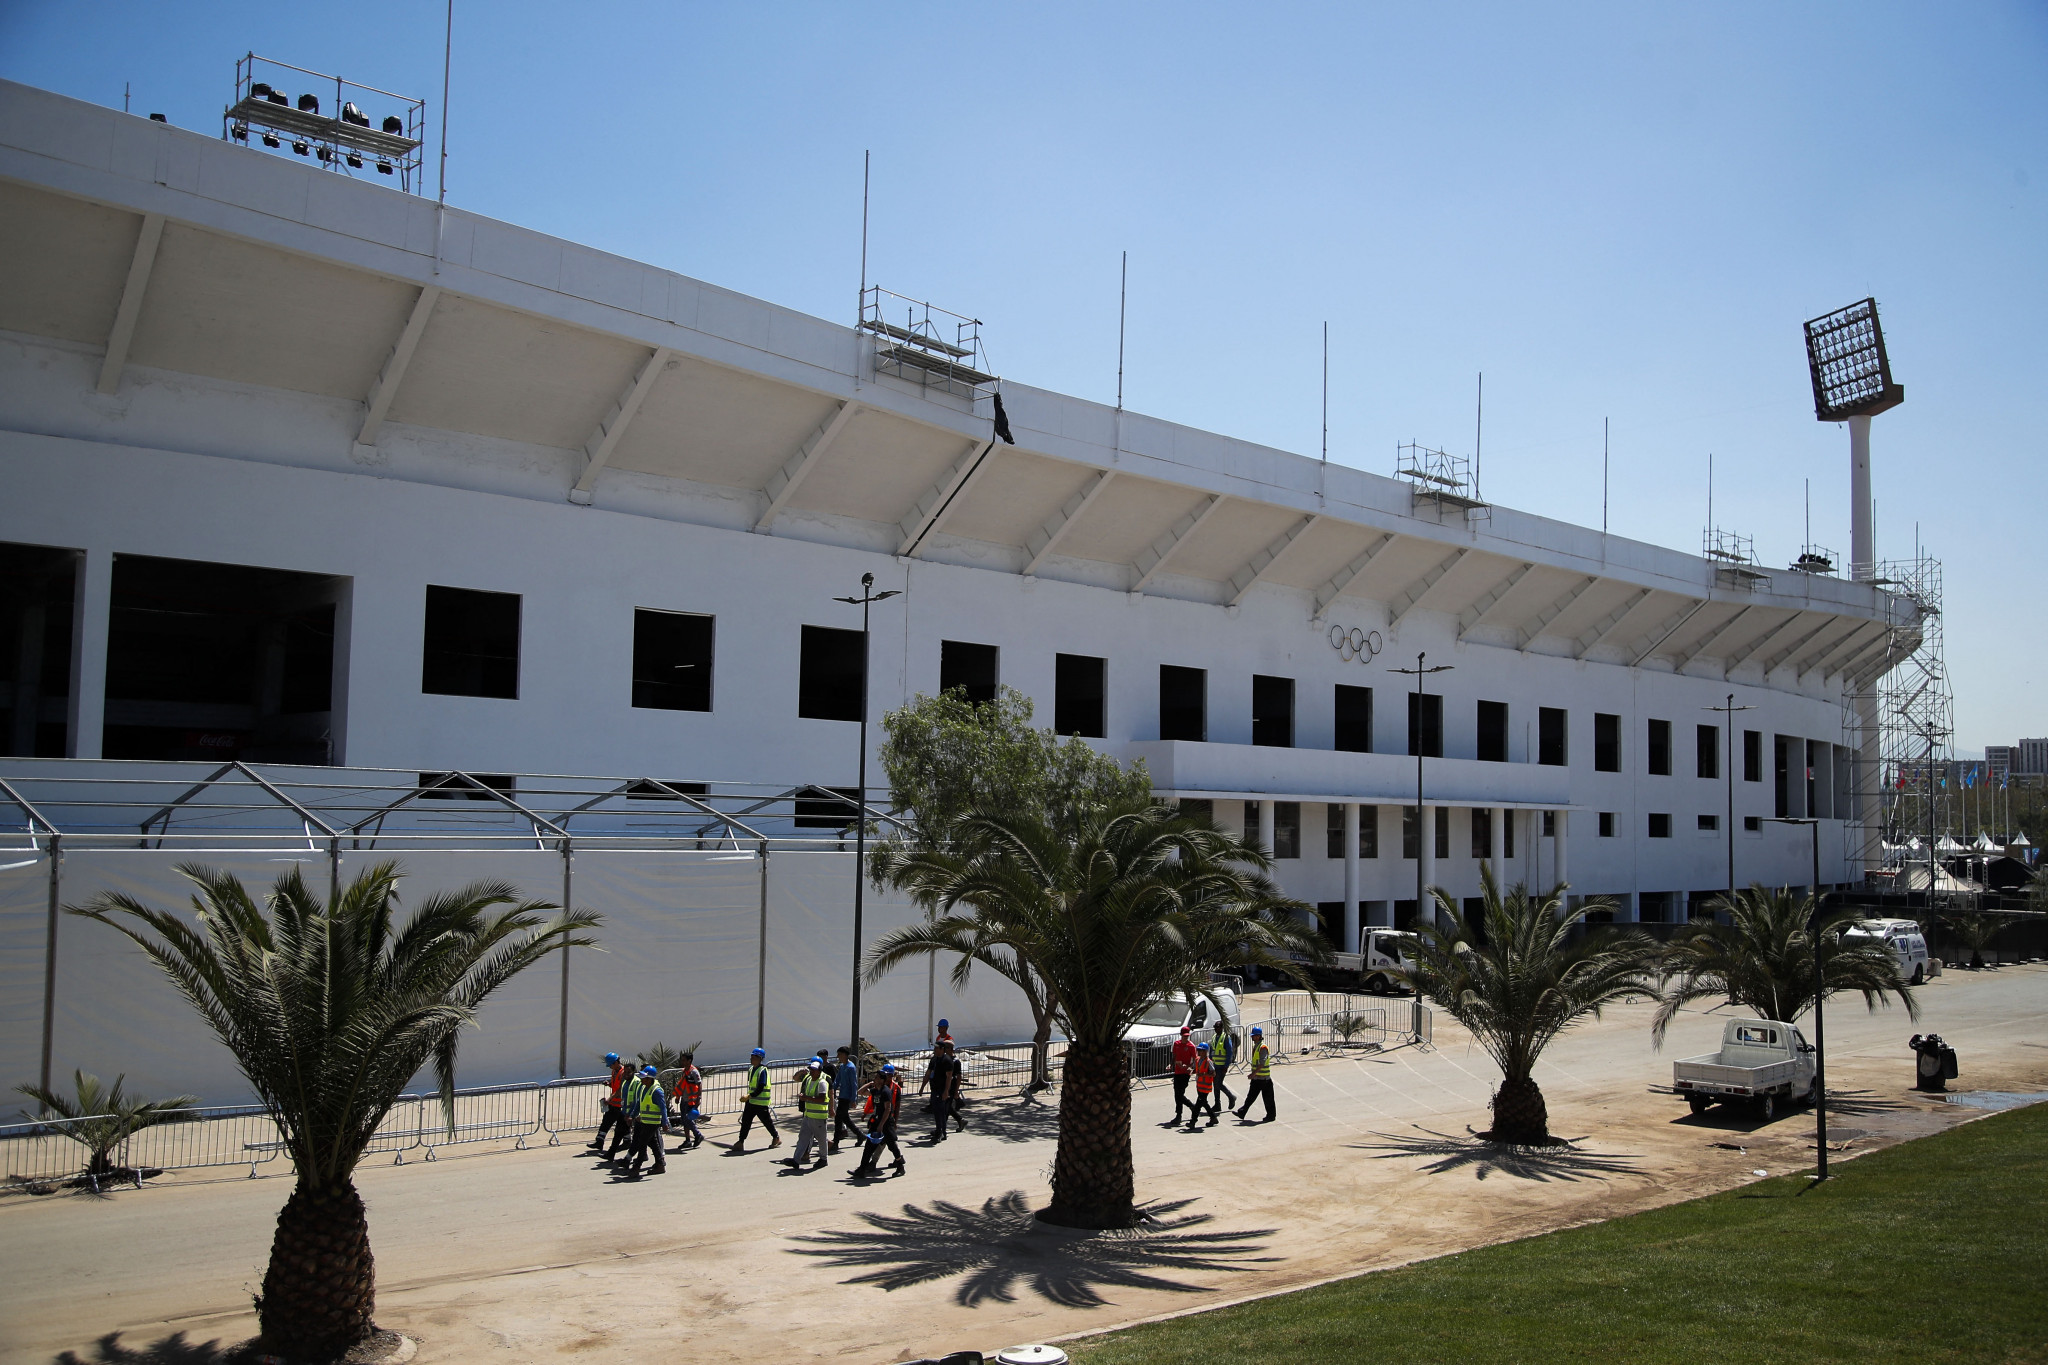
(1935, 1250)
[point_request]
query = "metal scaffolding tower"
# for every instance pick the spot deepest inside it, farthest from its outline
(1906, 688)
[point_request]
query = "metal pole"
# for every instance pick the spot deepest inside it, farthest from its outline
(1729, 762)
(860, 826)
(50, 952)
(1123, 293)
(866, 159)
(761, 959)
(447, 53)
(568, 903)
(1820, 1062)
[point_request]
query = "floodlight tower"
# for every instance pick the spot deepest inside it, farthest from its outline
(1852, 382)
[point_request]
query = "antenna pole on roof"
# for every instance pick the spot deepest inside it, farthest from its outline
(1123, 294)
(447, 53)
(865, 159)
(124, 96)
(1326, 392)
(1478, 429)
(1603, 476)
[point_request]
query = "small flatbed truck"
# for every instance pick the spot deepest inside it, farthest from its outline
(1762, 1063)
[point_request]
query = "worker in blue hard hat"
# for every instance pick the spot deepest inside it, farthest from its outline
(760, 1102)
(1205, 1087)
(611, 1112)
(1262, 1076)
(650, 1121)
(885, 1105)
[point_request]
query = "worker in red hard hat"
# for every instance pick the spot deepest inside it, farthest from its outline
(1183, 1067)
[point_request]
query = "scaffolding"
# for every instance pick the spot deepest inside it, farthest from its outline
(1900, 714)
(917, 349)
(1446, 480)
(340, 139)
(1733, 558)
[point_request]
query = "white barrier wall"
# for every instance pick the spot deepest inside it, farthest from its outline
(680, 962)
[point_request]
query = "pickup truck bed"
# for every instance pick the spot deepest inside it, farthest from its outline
(1761, 1061)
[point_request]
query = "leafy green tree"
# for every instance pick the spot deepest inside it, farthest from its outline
(945, 756)
(330, 1009)
(1762, 960)
(1518, 978)
(106, 1116)
(1133, 903)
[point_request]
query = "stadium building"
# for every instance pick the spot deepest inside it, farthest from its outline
(301, 469)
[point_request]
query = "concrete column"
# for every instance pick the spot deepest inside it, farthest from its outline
(1350, 876)
(1425, 852)
(1494, 854)
(1862, 540)
(1266, 825)
(1559, 844)
(91, 607)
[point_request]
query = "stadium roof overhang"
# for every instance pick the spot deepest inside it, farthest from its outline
(163, 253)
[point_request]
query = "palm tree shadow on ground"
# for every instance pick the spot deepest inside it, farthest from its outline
(171, 1350)
(1028, 1118)
(1484, 1157)
(1002, 1246)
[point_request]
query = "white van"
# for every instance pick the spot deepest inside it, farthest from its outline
(1904, 938)
(1164, 1018)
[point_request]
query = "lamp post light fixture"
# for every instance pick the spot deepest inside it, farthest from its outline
(868, 597)
(1421, 821)
(1820, 1064)
(1728, 709)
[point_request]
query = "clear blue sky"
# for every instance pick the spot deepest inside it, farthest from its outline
(1618, 211)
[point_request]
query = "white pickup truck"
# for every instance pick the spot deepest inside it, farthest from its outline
(1762, 1062)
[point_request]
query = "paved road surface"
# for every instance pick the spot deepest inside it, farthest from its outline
(539, 1253)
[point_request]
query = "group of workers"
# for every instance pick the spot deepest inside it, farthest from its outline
(639, 1112)
(1207, 1065)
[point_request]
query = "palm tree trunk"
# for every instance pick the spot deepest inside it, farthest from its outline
(1092, 1177)
(1041, 1046)
(322, 1283)
(1519, 1114)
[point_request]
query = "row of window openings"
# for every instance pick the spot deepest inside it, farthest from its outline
(1287, 829)
(1660, 824)
(472, 650)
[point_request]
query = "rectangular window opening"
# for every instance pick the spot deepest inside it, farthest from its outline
(1660, 825)
(37, 591)
(1606, 743)
(1752, 756)
(1354, 719)
(1411, 841)
(1551, 748)
(1183, 703)
(1079, 685)
(838, 810)
(1707, 750)
(471, 647)
(969, 668)
(831, 674)
(1425, 725)
(1482, 832)
(1272, 711)
(659, 790)
(1493, 732)
(1660, 748)
(1287, 829)
(451, 787)
(672, 653)
(1607, 824)
(1710, 824)
(1443, 834)
(1507, 834)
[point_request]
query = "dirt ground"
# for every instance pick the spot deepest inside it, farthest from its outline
(538, 1254)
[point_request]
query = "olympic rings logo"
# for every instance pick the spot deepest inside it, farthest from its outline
(1354, 643)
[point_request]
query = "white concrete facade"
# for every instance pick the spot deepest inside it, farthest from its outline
(304, 385)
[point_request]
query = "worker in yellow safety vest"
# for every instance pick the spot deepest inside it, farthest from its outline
(629, 1105)
(1262, 1076)
(760, 1103)
(814, 1107)
(650, 1121)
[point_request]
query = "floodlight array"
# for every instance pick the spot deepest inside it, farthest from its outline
(1851, 374)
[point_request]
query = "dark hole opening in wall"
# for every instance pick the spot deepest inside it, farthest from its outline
(818, 810)
(1493, 732)
(969, 667)
(658, 789)
(673, 653)
(1287, 829)
(451, 787)
(1426, 724)
(1606, 743)
(1078, 686)
(37, 587)
(220, 661)
(1551, 738)
(471, 644)
(1354, 719)
(832, 674)
(1272, 711)
(1183, 703)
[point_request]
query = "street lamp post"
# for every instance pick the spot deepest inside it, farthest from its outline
(1729, 709)
(1820, 1062)
(1419, 673)
(868, 597)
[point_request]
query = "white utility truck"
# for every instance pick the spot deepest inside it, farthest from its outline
(1762, 1062)
(1382, 953)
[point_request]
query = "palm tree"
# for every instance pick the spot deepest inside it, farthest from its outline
(1974, 930)
(330, 1009)
(1520, 977)
(1762, 959)
(1134, 903)
(103, 1117)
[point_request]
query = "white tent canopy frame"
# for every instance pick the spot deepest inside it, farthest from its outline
(695, 925)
